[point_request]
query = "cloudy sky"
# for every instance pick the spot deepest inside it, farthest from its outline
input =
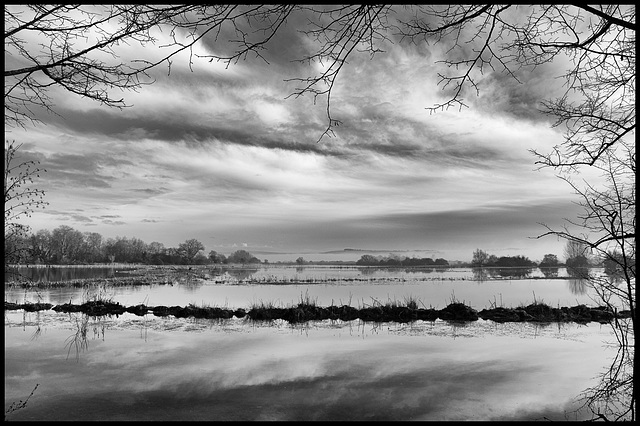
(222, 155)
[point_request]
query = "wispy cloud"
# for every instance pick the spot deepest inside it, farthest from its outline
(222, 151)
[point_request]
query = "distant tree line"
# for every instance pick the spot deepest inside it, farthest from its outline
(577, 257)
(483, 259)
(66, 245)
(391, 260)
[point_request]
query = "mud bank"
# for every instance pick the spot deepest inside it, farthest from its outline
(536, 312)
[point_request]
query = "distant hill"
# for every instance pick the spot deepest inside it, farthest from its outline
(373, 251)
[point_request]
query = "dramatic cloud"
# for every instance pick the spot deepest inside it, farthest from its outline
(224, 151)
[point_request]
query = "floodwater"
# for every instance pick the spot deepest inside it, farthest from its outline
(237, 287)
(163, 368)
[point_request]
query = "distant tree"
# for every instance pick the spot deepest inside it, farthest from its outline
(367, 260)
(514, 261)
(492, 260)
(391, 261)
(200, 259)
(215, 257)
(549, 260)
(300, 260)
(549, 265)
(41, 246)
(92, 250)
(189, 249)
(576, 252)
(242, 256)
(411, 261)
(109, 249)
(441, 262)
(67, 244)
(155, 253)
(479, 258)
(579, 261)
(174, 256)
(129, 250)
(138, 250)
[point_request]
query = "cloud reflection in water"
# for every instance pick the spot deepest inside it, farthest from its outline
(317, 372)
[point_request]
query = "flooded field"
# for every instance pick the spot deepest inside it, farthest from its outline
(164, 368)
(240, 287)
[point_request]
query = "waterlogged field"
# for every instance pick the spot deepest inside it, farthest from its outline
(240, 287)
(164, 368)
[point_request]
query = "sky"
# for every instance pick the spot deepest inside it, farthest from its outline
(223, 155)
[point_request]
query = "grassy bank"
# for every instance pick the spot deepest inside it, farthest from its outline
(307, 310)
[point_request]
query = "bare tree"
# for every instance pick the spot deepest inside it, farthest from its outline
(76, 47)
(607, 227)
(79, 45)
(598, 103)
(597, 111)
(574, 249)
(21, 199)
(339, 31)
(190, 249)
(480, 258)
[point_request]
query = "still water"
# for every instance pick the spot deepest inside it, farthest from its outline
(238, 287)
(154, 368)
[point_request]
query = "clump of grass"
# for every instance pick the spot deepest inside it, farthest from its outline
(264, 311)
(203, 305)
(262, 305)
(454, 300)
(536, 302)
(494, 304)
(99, 294)
(307, 301)
(411, 302)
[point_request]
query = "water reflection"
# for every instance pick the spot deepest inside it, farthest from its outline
(64, 273)
(516, 273)
(580, 272)
(550, 272)
(78, 340)
(38, 327)
(236, 370)
(307, 273)
(241, 274)
(375, 271)
(578, 286)
(480, 274)
(483, 274)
